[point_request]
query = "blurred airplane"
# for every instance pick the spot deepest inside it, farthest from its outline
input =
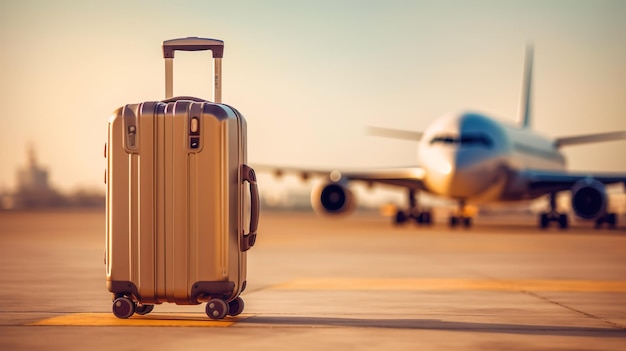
(472, 158)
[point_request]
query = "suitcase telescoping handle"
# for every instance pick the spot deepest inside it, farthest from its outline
(193, 44)
(249, 176)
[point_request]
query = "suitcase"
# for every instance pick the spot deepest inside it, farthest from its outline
(179, 199)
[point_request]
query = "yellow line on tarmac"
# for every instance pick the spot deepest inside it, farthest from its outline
(151, 320)
(445, 284)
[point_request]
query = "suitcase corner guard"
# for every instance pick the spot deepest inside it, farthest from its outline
(122, 287)
(203, 291)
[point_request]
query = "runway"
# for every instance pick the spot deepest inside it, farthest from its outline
(315, 283)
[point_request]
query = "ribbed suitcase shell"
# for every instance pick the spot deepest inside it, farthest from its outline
(175, 208)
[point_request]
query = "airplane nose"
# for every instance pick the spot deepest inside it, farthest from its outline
(457, 175)
(466, 180)
(442, 166)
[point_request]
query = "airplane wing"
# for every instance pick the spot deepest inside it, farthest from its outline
(407, 177)
(590, 138)
(544, 182)
(395, 133)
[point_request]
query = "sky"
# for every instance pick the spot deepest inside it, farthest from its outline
(309, 76)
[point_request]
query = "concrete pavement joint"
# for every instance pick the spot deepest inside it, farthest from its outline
(589, 315)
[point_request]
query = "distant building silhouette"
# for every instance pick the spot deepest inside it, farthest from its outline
(34, 190)
(32, 178)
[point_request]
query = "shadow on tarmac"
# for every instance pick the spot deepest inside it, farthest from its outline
(434, 324)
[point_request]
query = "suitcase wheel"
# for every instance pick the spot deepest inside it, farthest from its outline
(123, 307)
(216, 309)
(143, 309)
(235, 307)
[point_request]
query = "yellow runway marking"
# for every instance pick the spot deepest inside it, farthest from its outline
(150, 320)
(444, 284)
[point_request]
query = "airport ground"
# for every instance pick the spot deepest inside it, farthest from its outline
(317, 284)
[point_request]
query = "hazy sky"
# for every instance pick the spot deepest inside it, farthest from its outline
(308, 75)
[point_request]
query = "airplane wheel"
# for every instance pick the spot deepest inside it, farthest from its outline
(543, 221)
(401, 217)
(563, 223)
(422, 218)
(611, 220)
(428, 218)
(599, 222)
(467, 222)
(453, 221)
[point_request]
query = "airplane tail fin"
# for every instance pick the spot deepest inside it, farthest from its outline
(525, 102)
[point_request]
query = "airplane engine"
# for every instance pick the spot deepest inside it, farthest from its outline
(589, 199)
(333, 198)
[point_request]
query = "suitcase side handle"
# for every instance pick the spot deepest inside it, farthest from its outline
(249, 176)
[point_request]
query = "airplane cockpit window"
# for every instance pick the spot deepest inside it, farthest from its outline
(476, 139)
(444, 140)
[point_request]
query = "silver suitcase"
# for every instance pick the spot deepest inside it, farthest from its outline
(182, 206)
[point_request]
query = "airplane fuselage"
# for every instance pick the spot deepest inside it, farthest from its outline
(475, 158)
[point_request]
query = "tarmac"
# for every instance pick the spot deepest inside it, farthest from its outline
(319, 284)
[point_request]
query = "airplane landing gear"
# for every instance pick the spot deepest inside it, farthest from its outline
(553, 216)
(462, 218)
(420, 217)
(610, 219)
(401, 217)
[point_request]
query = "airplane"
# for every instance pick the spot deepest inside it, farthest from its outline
(475, 159)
